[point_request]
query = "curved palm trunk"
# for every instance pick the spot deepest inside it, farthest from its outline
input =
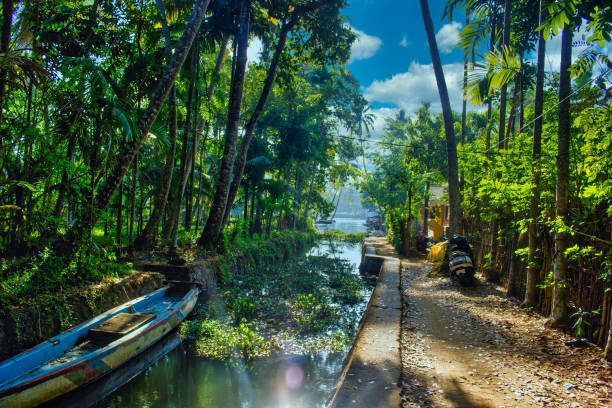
(308, 198)
(171, 227)
(90, 215)
(147, 237)
(536, 150)
(59, 204)
(212, 229)
(250, 126)
(218, 65)
(559, 306)
(189, 210)
(447, 113)
(337, 203)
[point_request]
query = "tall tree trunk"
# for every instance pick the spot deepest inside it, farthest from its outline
(148, 236)
(608, 351)
(63, 187)
(426, 210)
(250, 126)
(464, 102)
(488, 129)
(489, 101)
(133, 206)
(447, 113)
(337, 203)
(119, 217)
(312, 180)
(534, 202)
(245, 214)
(511, 117)
(258, 215)
(493, 275)
(198, 205)
(504, 89)
(87, 219)
(171, 228)
(559, 306)
(187, 221)
(7, 22)
(212, 229)
(218, 65)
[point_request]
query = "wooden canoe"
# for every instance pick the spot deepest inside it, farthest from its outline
(92, 349)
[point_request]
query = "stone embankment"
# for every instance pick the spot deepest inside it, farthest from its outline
(372, 368)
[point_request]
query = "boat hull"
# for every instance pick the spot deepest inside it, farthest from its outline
(98, 363)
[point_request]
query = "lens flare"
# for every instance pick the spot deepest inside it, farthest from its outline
(294, 376)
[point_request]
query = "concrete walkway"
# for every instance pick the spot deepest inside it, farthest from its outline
(372, 368)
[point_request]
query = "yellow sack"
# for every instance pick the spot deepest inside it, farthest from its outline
(437, 252)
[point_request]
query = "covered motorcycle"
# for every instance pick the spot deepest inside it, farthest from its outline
(460, 260)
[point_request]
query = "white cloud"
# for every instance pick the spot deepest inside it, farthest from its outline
(365, 46)
(404, 43)
(580, 45)
(380, 115)
(254, 50)
(409, 90)
(448, 37)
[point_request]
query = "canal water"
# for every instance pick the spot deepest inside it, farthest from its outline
(182, 380)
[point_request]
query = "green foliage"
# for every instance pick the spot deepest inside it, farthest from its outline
(25, 278)
(243, 308)
(311, 314)
(314, 300)
(582, 320)
(219, 341)
(341, 236)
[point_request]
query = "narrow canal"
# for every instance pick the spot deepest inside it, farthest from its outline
(180, 379)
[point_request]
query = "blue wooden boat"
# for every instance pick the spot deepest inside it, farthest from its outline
(92, 349)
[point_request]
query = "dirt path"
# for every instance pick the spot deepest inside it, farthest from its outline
(372, 371)
(473, 347)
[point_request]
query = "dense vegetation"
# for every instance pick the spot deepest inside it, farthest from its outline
(129, 126)
(533, 170)
(315, 307)
(134, 126)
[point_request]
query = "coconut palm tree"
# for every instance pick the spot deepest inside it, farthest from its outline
(447, 113)
(90, 214)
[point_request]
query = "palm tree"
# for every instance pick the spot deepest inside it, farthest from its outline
(365, 124)
(534, 203)
(250, 126)
(559, 306)
(90, 214)
(447, 113)
(148, 235)
(212, 229)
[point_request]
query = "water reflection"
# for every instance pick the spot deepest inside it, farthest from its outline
(182, 380)
(348, 225)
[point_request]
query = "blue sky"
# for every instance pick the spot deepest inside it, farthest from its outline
(391, 57)
(395, 37)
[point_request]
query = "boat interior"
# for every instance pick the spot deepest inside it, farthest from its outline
(88, 337)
